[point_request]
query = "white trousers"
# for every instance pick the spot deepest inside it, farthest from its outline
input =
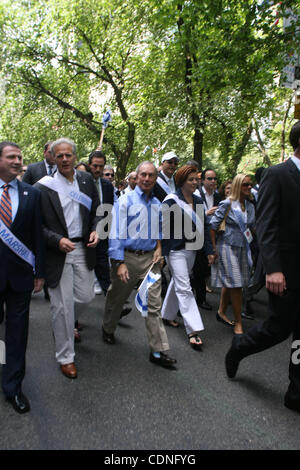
(179, 294)
(76, 285)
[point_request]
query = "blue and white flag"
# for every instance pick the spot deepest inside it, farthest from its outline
(106, 119)
(141, 298)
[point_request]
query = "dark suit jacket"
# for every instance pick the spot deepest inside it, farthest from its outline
(27, 227)
(34, 172)
(54, 226)
(278, 215)
(158, 191)
(107, 191)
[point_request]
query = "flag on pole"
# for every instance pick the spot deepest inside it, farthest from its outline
(146, 149)
(106, 119)
(141, 298)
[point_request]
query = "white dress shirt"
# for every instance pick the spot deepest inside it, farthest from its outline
(47, 168)
(296, 161)
(209, 203)
(71, 208)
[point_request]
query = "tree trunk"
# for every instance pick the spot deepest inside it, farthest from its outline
(240, 149)
(198, 146)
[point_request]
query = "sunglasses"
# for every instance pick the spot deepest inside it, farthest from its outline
(246, 185)
(108, 174)
(211, 178)
(174, 162)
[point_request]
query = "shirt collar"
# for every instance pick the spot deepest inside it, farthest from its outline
(296, 161)
(167, 178)
(13, 183)
(63, 178)
(206, 193)
(141, 193)
(53, 165)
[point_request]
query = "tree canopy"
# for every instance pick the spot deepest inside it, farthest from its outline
(199, 78)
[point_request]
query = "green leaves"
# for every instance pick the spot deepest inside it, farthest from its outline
(188, 72)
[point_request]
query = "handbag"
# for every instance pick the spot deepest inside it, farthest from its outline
(222, 226)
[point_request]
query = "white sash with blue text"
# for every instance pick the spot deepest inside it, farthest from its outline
(77, 196)
(194, 216)
(10, 240)
(163, 185)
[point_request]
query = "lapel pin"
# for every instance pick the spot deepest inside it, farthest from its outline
(25, 193)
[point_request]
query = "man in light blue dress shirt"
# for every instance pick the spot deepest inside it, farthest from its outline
(134, 246)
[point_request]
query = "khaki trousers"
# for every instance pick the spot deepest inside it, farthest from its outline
(118, 293)
(76, 285)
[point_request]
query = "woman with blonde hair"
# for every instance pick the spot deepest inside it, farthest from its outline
(232, 268)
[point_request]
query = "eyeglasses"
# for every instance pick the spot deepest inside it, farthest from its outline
(211, 178)
(108, 174)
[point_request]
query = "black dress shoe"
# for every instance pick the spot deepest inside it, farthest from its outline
(205, 305)
(125, 311)
(292, 404)
(164, 360)
(19, 402)
(232, 362)
(108, 338)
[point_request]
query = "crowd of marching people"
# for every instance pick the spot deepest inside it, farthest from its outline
(171, 232)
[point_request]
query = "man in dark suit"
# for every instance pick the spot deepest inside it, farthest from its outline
(69, 204)
(21, 267)
(278, 231)
(36, 171)
(97, 161)
(201, 269)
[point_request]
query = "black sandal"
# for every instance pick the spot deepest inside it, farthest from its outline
(172, 323)
(198, 344)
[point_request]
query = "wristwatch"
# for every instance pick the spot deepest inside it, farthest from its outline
(119, 262)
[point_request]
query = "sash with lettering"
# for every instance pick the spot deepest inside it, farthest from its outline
(163, 185)
(21, 250)
(191, 214)
(77, 196)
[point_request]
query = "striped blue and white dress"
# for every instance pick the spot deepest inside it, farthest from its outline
(232, 268)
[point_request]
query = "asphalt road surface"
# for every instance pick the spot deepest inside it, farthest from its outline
(121, 401)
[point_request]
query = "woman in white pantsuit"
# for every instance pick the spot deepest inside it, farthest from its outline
(180, 252)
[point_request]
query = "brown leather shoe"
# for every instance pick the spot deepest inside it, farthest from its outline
(69, 370)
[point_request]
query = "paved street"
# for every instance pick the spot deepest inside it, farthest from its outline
(120, 401)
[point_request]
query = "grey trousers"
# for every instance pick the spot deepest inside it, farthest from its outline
(76, 285)
(118, 293)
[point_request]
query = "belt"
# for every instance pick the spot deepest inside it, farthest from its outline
(76, 239)
(138, 252)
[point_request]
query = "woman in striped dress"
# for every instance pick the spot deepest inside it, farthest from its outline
(232, 267)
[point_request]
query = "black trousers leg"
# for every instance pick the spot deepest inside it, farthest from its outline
(102, 269)
(200, 272)
(284, 319)
(16, 334)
